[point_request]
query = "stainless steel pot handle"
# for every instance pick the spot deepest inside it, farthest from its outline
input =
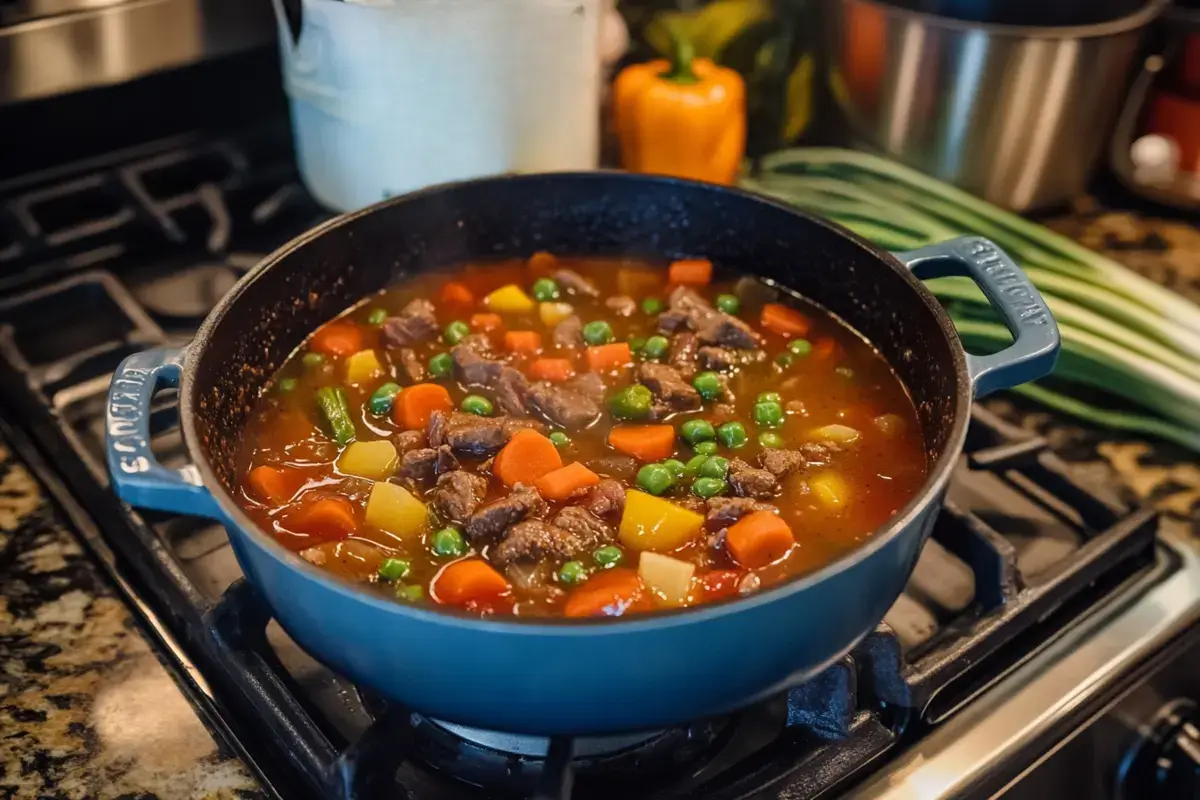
(1036, 340)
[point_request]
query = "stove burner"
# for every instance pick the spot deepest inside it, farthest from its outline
(187, 295)
(539, 746)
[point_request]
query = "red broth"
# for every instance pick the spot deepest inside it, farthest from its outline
(809, 431)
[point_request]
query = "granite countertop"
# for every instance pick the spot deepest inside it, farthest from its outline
(88, 711)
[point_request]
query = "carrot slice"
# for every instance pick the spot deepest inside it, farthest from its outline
(414, 406)
(542, 262)
(784, 320)
(644, 442)
(608, 594)
(527, 457)
(826, 350)
(528, 342)
(605, 357)
(692, 271)
(469, 581)
(555, 370)
(275, 485)
(759, 539)
(337, 339)
(457, 294)
(720, 583)
(565, 481)
(326, 518)
(486, 322)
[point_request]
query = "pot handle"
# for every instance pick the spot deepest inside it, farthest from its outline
(1035, 333)
(137, 476)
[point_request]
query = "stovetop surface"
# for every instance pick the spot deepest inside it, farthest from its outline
(128, 252)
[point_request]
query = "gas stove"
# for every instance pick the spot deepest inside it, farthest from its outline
(1036, 605)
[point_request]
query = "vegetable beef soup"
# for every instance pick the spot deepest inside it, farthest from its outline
(579, 437)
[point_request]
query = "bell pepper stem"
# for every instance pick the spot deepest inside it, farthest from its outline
(682, 53)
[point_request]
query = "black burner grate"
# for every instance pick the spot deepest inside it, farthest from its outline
(130, 252)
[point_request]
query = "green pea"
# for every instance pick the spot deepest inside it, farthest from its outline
(732, 435)
(768, 415)
(769, 397)
(697, 430)
(632, 402)
(449, 543)
(785, 360)
(800, 347)
(608, 556)
(705, 448)
(770, 439)
(652, 305)
(456, 331)
(709, 385)
(656, 347)
(560, 439)
(545, 290)
(478, 405)
(728, 303)
(382, 399)
(598, 332)
(655, 479)
(675, 466)
(715, 467)
(394, 569)
(287, 385)
(636, 343)
(441, 365)
(311, 360)
(572, 573)
(692, 468)
(377, 316)
(412, 594)
(707, 487)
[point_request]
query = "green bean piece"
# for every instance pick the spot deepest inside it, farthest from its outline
(697, 430)
(707, 487)
(732, 435)
(456, 331)
(728, 303)
(768, 415)
(608, 556)
(287, 385)
(560, 439)
(770, 440)
(715, 467)
(331, 402)
(598, 332)
(377, 316)
(799, 347)
(441, 365)
(478, 405)
(311, 360)
(655, 479)
(652, 305)
(655, 348)
(632, 402)
(709, 385)
(394, 569)
(572, 573)
(705, 448)
(449, 543)
(382, 399)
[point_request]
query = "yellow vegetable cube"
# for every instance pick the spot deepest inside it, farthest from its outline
(830, 490)
(841, 434)
(670, 579)
(554, 313)
(376, 461)
(393, 508)
(509, 299)
(651, 523)
(362, 367)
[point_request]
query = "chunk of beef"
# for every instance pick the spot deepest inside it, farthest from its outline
(473, 369)
(606, 499)
(587, 526)
(717, 359)
(818, 453)
(489, 523)
(409, 440)
(563, 407)
(683, 353)
(589, 383)
(568, 332)
(472, 435)
(669, 388)
(457, 495)
(534, 540)
(512, 391)
(614, 466)
(782, 463)
(727, 331)
(417, 323)
(410, 366)
(685, 309)
(747, 481)
(426, 463)
(534, 578)
(724, 511)
(575, 283)
(622, 305)
(673, 321)
(480, 343)
(691, 503)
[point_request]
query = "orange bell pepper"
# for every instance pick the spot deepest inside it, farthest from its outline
(685, 117)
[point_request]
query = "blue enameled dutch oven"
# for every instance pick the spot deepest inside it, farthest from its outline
(575, 676)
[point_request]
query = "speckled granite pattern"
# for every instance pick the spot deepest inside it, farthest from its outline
(86, 709)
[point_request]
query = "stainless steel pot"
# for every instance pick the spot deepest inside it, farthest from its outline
(1016, 113)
